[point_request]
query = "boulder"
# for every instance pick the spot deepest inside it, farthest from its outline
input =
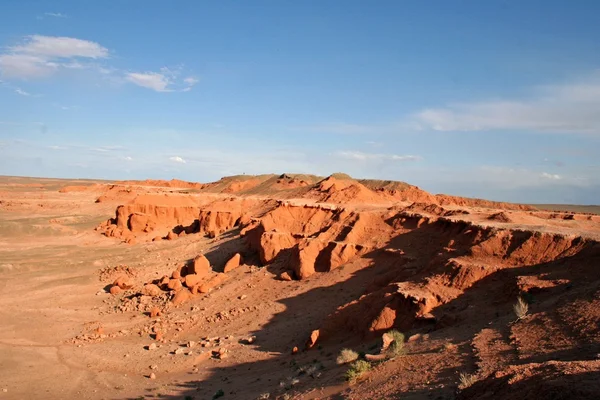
(181, 296)
(233, 263)
(212, 282)
(115, 289)
(175, 284)
(151, 289)
(192, 280)
(200, 266)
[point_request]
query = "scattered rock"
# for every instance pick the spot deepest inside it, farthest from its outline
(152, 376)
(151, 289)
(155, 312)
(181, 297)
(179, 351)
(152, 346)
(192, 280)
(285, 276)
(220, 354)
(200, 266)
(115, 290)
(233, 263)
(175, 284)
(314, 336)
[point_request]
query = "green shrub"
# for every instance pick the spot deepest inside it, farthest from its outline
(397, 346)
(357, 368)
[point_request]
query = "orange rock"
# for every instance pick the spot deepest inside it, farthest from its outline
(175, 284)
(212, 282)
(158, 336)
(122, 282)
(192, 280)
(314, 336)
(115, 289)
(164, 282)
(151, 289)
(233, 263)
(171, 235)
(295, 350)
(181, 296)
(285, 276)
(200, 266)
(155, 312)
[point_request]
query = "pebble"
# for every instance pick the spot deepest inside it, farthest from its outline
(152, 346)
(153, 376)
(179, 351)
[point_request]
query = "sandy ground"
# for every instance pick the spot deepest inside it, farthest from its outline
(64, 336)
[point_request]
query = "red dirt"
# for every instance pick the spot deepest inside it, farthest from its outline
(317, 265)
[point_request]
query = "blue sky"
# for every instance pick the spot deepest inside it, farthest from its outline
(494, 99)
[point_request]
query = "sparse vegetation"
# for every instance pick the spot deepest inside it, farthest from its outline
(357, 368)
(397, 346)
(465, 380)
(521, 308)
(347, 356)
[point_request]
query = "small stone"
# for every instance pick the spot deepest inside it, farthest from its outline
(191, 344)
(295, 350)
(152, 346)
(154, 366)
(155, 312)
(152, 376)
(242, 297)
(179, 351)
(285, 276)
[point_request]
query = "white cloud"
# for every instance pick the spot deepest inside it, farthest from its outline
(41, 56)
(554, 177)
(22, 92)
(565, 108)
(55, 15)
(191, 81)
(150, 80)
(360, 156)
(60, 47)
(177, 159)
(25, 66)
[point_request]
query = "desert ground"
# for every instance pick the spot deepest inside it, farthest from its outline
(251, 286)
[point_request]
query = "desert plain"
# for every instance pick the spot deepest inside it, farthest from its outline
(250, 288)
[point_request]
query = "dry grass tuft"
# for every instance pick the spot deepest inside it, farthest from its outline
(465, 380)
(521, 308)
(347, 356)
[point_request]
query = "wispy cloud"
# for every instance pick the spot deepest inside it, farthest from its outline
(564, 108)
(167, 80)
(53, 15)
(150, 80)
(554, 177)
(360, 156)
(39, 56)
(177, 159)
(22, 92)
